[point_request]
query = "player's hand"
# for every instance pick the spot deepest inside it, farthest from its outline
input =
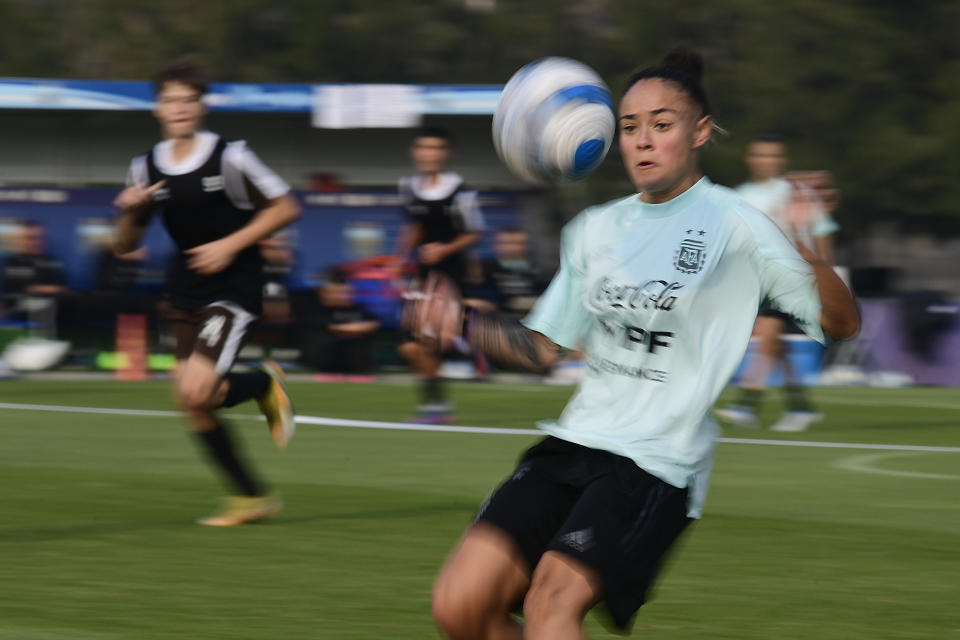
(211, 257)
(395, 266)
(434, 314)
(433, 252)
(136, 198)
(802, 207)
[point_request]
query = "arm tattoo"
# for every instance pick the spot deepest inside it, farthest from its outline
(510, 345)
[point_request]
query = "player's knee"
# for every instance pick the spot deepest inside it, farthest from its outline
(553, 597)
(408, 350)
(456, 613)
(194, 397)
(547, 603)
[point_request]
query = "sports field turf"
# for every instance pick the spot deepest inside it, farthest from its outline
(97, 540)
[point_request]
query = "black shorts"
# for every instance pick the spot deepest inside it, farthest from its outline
(597, 507)
(216, 331)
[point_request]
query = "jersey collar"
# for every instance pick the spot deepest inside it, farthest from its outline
(676, 205)
(202, 148)
(447, 183)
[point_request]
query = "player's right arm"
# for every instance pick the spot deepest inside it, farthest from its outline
(436, 316)
(510, 345)
(134, 205)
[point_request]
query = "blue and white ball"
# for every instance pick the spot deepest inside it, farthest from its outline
(554, 121)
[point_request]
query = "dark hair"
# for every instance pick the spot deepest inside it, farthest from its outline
(775, 138)
(682, 66)
(185, 70)
(434, 132)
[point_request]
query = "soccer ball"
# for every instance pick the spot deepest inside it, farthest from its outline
(554, 121)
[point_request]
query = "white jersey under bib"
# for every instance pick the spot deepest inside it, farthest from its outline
(662, 299)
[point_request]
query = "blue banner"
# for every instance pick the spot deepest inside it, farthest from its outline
(100, 95)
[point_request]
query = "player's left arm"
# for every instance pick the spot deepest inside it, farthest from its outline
(435, 252)
(824, 246)
(839, 315)
(468, 208)
(216, 256)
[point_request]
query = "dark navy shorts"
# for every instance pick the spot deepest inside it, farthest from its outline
(597, 507)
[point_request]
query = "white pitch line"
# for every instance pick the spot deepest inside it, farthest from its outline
(840, 445)
(150, 413)
(409, 426)
(879, 402)
(864, 464)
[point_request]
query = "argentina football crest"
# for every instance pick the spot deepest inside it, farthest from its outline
(691, 254)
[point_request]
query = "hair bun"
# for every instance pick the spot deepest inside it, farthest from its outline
(686, 60)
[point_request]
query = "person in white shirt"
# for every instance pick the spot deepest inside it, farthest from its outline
(660, 289)
(798, 212)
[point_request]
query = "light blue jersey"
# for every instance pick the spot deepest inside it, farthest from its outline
(662, 299)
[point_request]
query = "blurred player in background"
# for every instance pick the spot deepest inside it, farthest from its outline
(509, 280)
(217, 201)
(32, 279)
(661, 289)
(444, 221)
(795, 207)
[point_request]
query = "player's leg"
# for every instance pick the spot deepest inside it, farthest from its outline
(771, 353)
(484, 581)
(609, 549)
(562, 592)
(743, 411)
(199, 390)
(223, 328)
(199, 381)
(434, 405)
(481, 583)
(799, 413)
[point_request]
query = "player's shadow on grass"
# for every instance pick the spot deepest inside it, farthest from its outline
(91, 529)
(464, 507)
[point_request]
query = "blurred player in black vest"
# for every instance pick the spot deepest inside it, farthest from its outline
(217, 200)
(510, 281)
(444, 222)
(337, 333)
(31, 281)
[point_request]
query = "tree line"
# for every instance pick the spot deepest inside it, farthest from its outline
(866, 88)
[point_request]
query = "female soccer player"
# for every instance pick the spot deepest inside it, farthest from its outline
(218, 201)
(661, 290)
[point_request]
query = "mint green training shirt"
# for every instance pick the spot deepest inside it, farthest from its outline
(662, 299)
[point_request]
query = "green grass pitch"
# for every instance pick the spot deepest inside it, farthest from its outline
(97, 540)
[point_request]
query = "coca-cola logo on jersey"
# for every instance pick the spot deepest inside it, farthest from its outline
(653, 294)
